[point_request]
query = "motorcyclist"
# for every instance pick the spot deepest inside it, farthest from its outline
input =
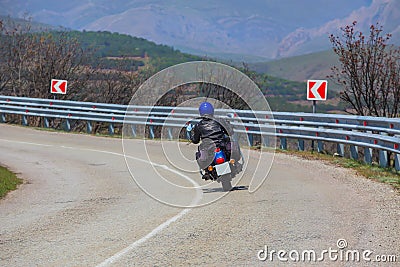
(212, 133)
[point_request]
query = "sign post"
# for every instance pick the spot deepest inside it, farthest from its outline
(316, 90)
(314, 106)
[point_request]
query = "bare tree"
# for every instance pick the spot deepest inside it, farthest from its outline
(116, 85)
(30, 60)
(369, 71)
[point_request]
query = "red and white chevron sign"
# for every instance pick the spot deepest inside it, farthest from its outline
(317, 89)
(58, 86)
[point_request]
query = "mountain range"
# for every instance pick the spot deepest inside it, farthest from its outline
(253, 29)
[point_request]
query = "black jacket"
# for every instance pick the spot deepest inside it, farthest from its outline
(209, 131)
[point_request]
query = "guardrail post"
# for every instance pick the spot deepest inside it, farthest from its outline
(383, 158)
(320, 146)
(111, 128)
(354, 152)
(283, 143)
(89, 127)
(340, 149)
(170, 137)
(151, 128)
(368, 155)
(250, 139)
(46, 122)
(397, 161)
(265, 140)
(24, 120)
(2, 118)
(67, 125)
(320, 143)
(133, 128)
(300, 144)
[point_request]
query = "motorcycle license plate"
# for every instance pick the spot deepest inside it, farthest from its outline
(223, 168)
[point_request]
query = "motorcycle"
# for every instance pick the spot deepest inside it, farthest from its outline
(220, 166)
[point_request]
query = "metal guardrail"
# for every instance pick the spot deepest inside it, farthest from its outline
(369, 133)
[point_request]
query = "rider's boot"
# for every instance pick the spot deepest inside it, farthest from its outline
(206, 176)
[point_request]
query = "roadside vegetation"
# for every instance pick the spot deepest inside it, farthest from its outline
(369, 71)
(8, 181)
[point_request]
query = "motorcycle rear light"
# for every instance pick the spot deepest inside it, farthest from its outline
(219, 160)
(210, 168)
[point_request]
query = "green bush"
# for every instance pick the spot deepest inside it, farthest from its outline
(8, 181)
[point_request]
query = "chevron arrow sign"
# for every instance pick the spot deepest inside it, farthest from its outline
(58, 86)
(317, 89)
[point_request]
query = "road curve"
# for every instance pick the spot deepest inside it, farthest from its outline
(79, 206)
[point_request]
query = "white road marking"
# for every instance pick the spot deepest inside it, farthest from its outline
(156, 230)
(137, 243)
(26, 143)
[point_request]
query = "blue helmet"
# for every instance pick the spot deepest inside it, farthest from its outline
(206, 108)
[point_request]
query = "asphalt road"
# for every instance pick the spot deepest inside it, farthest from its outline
(80, 206)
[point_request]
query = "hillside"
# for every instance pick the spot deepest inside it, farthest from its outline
(112, 46)
(126, 54)
(26, 22)
(251, 29)
(282, 92)
(300, 68)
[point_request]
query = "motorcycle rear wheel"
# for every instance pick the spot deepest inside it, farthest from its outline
(226, 182)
